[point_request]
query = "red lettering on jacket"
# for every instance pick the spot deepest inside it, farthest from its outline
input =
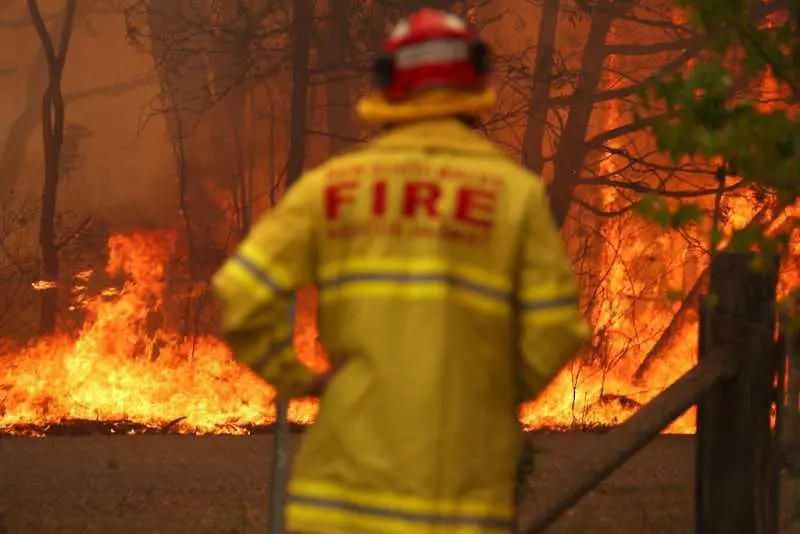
(379, 198)
(336, 195)
(475, 206)
(421, 194)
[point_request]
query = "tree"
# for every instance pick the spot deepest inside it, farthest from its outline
(756, 137)
(52, 141)
(750, 138)
(302, 28)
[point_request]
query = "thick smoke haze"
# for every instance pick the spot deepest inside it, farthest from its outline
(123, 171)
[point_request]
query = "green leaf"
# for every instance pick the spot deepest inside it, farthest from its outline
(703, 118)
(675, 295)
(686, 214)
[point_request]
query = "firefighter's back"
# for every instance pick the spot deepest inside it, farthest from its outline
(417, 255)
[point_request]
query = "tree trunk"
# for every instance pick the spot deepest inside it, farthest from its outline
(572, 149)
(337, 55)
(52, 140)
(302, 27)
(532, 150)
(186, 91)
(12, 157)
(231, 127)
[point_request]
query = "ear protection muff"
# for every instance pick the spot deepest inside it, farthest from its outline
(479, 57)
(383, 71)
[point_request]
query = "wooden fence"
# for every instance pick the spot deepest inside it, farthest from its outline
(789, 419)
(735, 388)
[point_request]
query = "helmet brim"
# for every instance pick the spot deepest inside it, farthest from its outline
(375, 108)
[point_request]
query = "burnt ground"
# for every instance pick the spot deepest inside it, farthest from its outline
(218, 485)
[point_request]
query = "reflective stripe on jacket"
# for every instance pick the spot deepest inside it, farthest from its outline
(444, 295)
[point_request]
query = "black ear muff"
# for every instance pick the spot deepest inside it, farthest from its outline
(480, 57)
(383, 71)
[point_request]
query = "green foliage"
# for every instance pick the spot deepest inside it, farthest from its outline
(675, 295)
(707, 119)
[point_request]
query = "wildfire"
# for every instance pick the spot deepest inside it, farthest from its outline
(120, 367)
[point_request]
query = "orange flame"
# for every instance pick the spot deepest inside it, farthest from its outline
(41, 285)
(116, 368)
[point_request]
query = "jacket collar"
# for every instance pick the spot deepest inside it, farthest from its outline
(447, 134)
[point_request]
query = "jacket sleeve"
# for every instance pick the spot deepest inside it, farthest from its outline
(550, 325)
(256, 287)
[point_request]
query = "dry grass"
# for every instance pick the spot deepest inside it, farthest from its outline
(218, 485)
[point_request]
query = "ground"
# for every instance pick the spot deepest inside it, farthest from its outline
(218, 485)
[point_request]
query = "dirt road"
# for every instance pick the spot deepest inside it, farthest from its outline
(218, 485)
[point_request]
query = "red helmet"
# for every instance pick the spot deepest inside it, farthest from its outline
(431, 49)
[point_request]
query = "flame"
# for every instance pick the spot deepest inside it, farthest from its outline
(120, 368)
(41, 285)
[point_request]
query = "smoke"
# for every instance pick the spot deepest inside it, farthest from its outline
(118, 167)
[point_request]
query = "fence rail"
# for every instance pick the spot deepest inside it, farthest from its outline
(621, 443)
(734, 387)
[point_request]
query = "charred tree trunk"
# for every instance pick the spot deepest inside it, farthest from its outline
(232, 119)
(52, 140)
(572, 149)
(336, 52)
(178, 75)
(180, 37)
(302, 28)
(532, 150)
(178, 40)
(13, 155)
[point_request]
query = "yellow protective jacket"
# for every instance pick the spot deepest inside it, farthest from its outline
(443, 290)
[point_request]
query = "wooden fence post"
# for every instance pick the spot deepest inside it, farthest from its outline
(789, 423)
(735, 477)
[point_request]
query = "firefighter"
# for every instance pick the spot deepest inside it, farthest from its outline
(443, 288)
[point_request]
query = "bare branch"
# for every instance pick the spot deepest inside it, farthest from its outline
(604, 213)
(662, 190)
(649, 48)
(631, 90)
(80, 229)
